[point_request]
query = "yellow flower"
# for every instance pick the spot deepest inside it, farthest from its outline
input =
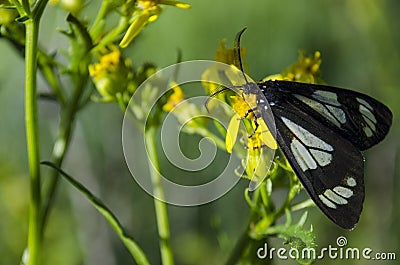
(112, 74)
(147, 11)
(173, 100)
(183, 110)
(306, 70)
(227, 56)
(261, 136)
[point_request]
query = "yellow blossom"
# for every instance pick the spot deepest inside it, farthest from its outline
(227, 56)
(183, 110)
(261, 136)
(147, 11)
(112, 74)
(174, 99)
(306, 70)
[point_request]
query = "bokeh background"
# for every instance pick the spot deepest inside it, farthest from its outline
(360, 45)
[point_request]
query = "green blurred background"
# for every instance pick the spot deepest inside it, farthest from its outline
(360, 45)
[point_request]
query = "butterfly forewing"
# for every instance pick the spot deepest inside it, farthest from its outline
(329, 166)
(359, 118)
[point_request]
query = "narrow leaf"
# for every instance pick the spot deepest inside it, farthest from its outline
(136, 252)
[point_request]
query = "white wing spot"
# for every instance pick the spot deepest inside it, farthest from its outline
(343, 191)
(367, 131)
(368, 117)
(370, 124)
(302, 156)
(306, 137)
(326, 97)
(366, 112)
(351, 182)
(365, 103)
(319, 108)
(323, 158)
(338, 113)
(334, 197)
(326, 201)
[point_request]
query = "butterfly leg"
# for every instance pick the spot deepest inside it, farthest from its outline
(255, 118)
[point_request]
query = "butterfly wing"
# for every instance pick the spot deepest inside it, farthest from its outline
(359, 118)
(329, 166)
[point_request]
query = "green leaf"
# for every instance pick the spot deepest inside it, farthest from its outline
(78, 53)
(293, 234)
(80, 32)
(136, 252)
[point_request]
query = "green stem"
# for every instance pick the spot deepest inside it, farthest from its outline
(111, 36)
(158, 195)
(99, 22)
(19, 7)
(243, 241)
(68, 114)
(302, 205)
(59, 150)
(26, 6)
(32, 136)
(245, 244)
(46, 65)
(122, 104)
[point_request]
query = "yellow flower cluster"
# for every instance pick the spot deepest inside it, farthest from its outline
(305, 70)
(174, 99)
(112, 74)
(147, 11)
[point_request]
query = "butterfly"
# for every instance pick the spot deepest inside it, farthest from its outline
(322, 130)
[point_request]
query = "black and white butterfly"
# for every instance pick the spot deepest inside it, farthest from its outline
(322, 131)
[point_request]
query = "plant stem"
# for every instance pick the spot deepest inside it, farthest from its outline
(98, 24)
(158, 195)
(60, 148)
(242, 242)
(123, 24)
(246, 246)
(244, 239)
(32, 137)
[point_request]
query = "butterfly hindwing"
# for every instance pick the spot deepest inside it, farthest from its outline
(328, 165)
(359, 118)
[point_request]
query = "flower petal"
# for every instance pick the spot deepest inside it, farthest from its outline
(135, 28)
(266, 136)
(175, 3)
(232, 132)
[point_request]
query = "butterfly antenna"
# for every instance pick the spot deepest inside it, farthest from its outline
(237, 51)
(218, 91)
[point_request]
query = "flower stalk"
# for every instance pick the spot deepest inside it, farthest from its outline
(32, 137)
(158, 195)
